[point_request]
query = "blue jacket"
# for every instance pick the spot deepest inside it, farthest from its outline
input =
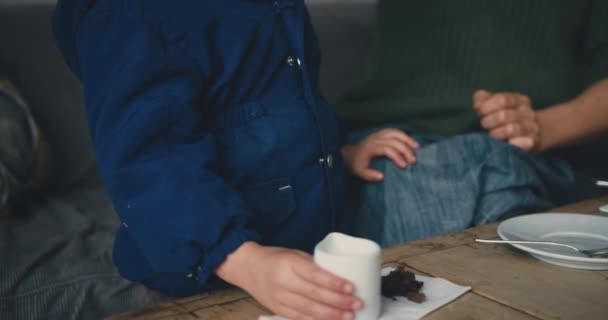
(209, 129)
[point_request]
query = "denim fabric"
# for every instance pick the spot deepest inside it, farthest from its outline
(459, 182)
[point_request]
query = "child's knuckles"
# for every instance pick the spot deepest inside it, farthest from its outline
(500, 99)
(519, 129)
(400, 145)
(535, 128)
(277, 296)
(284, 262)
(502, 116)
(312, 292)
(388, 150)
(335, 283)
(496, 134)
(485, 122)
(511, 129)
(282, 277)
(512, 99)
(390, 131)
(325, 276)
(342, 302)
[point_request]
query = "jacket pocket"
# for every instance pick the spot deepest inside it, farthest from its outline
(247, 142)
(272, 203)
(239, 115)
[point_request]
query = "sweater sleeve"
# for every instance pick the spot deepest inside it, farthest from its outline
(596, 41)
(157, 161)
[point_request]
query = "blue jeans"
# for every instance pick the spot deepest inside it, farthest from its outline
(457, 183)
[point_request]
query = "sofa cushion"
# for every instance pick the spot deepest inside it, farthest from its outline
(29, 55)
(346, 30)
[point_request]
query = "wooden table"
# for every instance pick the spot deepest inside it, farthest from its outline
(507, 283)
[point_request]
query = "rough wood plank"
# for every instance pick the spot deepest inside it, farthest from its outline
(207, 299)
(424, 246)
(515, 279)
(177, 307)
(474, 307)
(181, 316)
(238, 310)
(154, 312)
(488, 231)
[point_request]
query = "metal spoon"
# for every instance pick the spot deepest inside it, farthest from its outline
(592, 253)
(601, 183)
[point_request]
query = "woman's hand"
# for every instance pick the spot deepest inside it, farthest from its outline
(391, 143)
(509, 117)
(289, 283)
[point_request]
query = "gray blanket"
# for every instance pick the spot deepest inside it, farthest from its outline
(55, 260)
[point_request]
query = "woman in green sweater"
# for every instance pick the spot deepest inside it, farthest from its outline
(486, 88)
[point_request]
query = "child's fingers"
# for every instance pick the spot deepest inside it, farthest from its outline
(302, 254)
(370, 175)
(405, 150)
(503, 100)
(479, 97)
(309, 271)
(329, 297)
(392, 153)
(504, 116)
(525, 143)
(508, 131)
(403, 137)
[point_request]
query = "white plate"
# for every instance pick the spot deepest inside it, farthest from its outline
(579, 230)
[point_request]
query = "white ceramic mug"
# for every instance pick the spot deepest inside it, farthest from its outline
(357, 260)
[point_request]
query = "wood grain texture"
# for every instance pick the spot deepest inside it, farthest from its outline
(515, 279)
(184, 308)
(239, 310)
(473, 306)
(424, 246)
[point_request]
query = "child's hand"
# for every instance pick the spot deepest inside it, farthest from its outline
(290, 284)
(391, 143)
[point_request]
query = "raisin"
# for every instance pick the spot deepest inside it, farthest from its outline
(402, 283)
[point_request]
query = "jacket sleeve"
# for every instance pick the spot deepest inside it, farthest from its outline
(157, 161)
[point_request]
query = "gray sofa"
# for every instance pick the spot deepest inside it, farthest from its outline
(55, 252)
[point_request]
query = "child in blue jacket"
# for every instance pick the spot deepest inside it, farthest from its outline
(222, 159)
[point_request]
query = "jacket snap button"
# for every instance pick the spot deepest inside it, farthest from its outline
(292, 62)
(330, 161)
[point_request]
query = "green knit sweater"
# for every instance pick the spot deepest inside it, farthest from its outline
(432, 55)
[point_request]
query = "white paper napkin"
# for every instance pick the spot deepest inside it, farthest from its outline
(438, 293)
